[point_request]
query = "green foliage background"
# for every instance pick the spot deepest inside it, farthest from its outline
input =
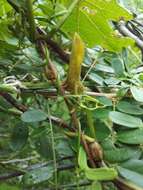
(38, 148)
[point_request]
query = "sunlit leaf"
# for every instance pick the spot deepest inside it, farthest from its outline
(137, 93)
(92, 20)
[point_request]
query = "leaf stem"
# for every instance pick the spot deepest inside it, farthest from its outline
(90, 123)
(53, 148)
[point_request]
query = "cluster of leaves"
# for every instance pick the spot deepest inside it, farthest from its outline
(38, 142)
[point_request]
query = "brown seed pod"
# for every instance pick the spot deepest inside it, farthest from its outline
(50, 71)
(96, 151)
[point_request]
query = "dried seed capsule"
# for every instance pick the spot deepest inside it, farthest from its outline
(96, 151)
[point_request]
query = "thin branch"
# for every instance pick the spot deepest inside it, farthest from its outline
(52, 93)
(85, 145)
(19, 173)
(107, 95)
(13, 102)
(14, 5)
(61, 123)
(125, 185)
(11, 175)
(23, 108)
(55, 47)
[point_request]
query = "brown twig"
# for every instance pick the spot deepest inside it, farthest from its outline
(85, 145)
(19, 173)
(13, 102)
(52, 93)
(123, 185)
(23, 108)
(53, 45)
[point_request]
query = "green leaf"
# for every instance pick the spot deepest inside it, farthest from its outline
(104, 68)
(33, 116)
(96, 78)
(82, 160)
(112, 81)
(118, 66)
(137, 93)
(63, 148)
(95, 174)
(5, 186)
(91, 20)
(44, 146)
(102, 130)
(101, 174)
(5, 34)
(134, 165)
(96, 186)
(132, 176)
(131, 137)
(107, 144)
(38, 175)
(19, 137)
(118, 154)
(105, 101)
(4, 7)
(101, 113)
(129, 107)
(125, 119)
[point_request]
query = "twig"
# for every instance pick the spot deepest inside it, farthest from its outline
(14, 5)
(52, 93)
(23, 108)
(99, 94)
(84, 142)
(53, 45)
(124, 185)
(19, 173)
(18, 160)
(13, 102)
(61, 123)
(11, 175)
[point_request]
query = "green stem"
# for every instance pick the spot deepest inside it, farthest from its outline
(53, 147)
(90, 123)
(74, 134)
(31, 21)
(38, 85)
